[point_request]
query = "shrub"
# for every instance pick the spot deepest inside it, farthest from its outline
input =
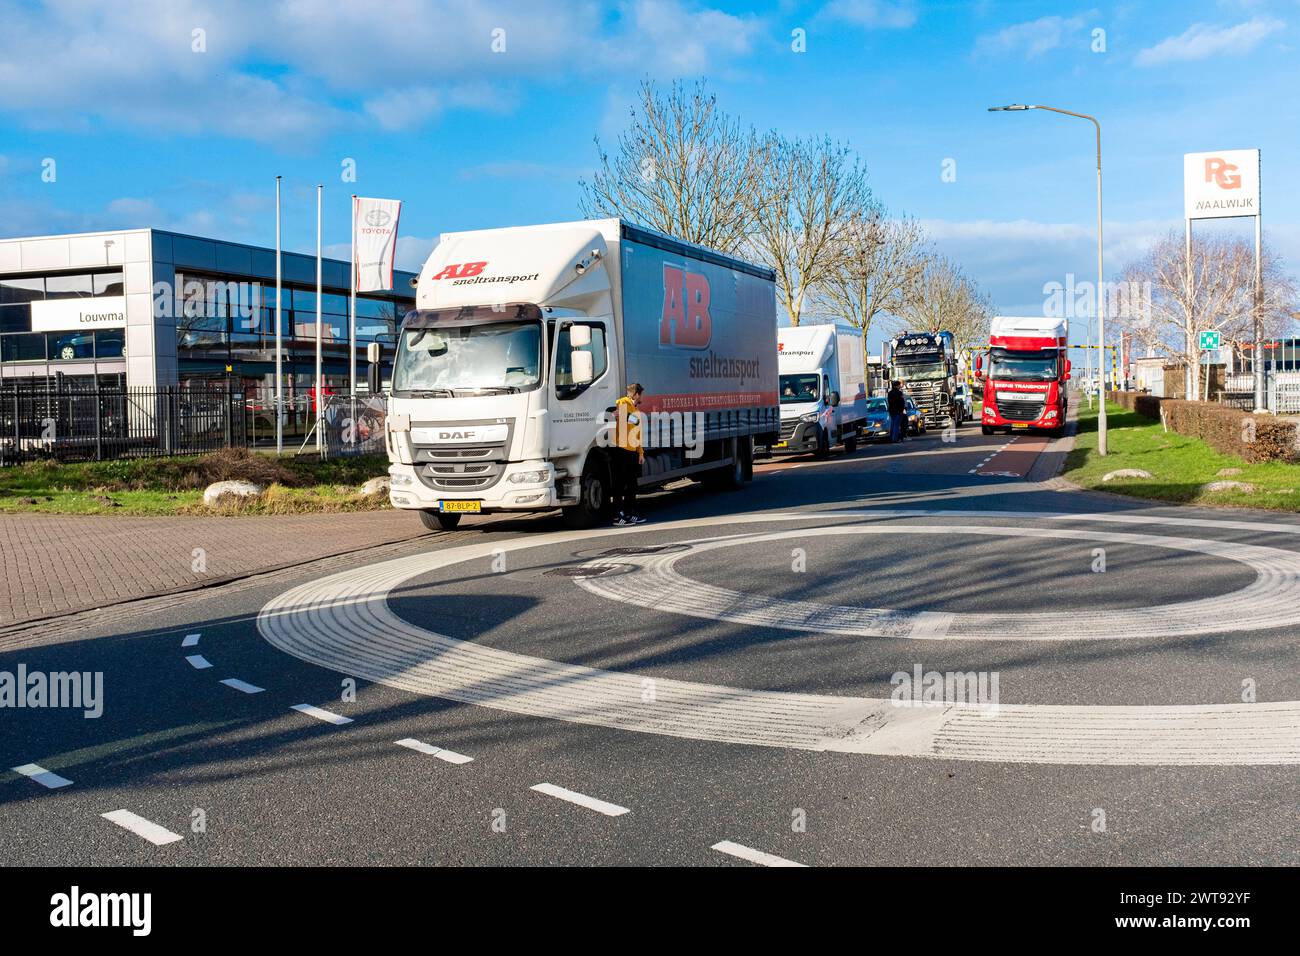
(1251, 437)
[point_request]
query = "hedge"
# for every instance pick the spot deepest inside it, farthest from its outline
(1250, 437)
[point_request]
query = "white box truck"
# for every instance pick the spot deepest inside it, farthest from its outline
(522, 340)
(822, 387)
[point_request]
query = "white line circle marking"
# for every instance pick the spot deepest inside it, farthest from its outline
(343, 622)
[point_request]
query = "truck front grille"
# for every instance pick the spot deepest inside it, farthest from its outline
(787, 429)
(1021, 411)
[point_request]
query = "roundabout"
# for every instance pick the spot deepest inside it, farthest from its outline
(344, 622)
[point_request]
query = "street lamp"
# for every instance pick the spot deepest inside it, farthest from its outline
(1097, 298)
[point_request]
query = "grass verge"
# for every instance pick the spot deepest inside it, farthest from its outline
(1180, 465)
(170, 486)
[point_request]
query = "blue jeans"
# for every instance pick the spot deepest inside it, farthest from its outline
(897, 427)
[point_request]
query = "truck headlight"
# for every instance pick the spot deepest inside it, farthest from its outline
(397, 478)
(988, 412)
(810, 417)
(1051, 414)
(531, 477)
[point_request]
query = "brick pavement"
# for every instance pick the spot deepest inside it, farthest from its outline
(57, 564)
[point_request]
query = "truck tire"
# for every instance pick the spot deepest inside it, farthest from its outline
(732, 476)
(851, 442)
(986, 430)
(593, 496)
(437, 521)
(823, 449)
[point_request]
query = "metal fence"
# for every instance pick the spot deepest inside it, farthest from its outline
(1281, 391)
(98, 424)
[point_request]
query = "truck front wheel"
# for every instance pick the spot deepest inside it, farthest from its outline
(593, 496)
(437, 521)
(986, 430)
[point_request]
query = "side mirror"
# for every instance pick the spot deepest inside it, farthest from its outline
(1067, 376)
(583, 367)
(979, 364)
(834, 399)
(1067, 368)
(579, 336)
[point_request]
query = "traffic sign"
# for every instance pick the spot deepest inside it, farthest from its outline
(1210, 339)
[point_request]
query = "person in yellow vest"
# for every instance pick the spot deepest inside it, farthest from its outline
(627, 457)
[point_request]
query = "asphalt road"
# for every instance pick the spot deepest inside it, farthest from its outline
(719, 677)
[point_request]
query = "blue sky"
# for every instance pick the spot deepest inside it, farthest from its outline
(145, 128)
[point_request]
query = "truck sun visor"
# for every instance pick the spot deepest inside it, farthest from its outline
(470, 315)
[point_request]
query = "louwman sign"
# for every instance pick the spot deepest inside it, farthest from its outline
(1220, 185)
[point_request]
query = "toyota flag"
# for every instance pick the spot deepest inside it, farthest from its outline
(374, 242)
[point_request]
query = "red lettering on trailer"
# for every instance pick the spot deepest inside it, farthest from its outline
(685, 321)
(461, 270)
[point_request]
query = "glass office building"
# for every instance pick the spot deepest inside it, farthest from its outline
(156, 309)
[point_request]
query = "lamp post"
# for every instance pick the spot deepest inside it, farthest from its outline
(1098, 296)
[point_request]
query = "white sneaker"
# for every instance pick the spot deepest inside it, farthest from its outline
(622, 522)
(636, 519)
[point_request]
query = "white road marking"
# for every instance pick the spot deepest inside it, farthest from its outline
(420, 746)
(581, 799)
(190, 640)
(1267, 603)
(45, 778)
(198, 662)
(321, 713)
(155, 834)
(343, 622)
(246, 687)
(754, 856)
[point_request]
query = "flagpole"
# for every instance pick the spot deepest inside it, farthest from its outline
(279, 351)
(320, 374)
(352, 322)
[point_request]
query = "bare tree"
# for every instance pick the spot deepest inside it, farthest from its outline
(811, 191)
(943, 298)
(1215, 290)
(683, 167)
(877, 259)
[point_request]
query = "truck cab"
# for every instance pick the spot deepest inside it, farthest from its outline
(821, 389)
(1025, 372)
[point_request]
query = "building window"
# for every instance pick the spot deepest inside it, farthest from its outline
(25, 347)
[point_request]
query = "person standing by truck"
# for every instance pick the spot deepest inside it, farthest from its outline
(897, 405)
(628, 456)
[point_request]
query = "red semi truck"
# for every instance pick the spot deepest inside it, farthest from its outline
(1024, 374)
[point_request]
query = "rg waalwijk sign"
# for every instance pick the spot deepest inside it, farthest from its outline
(1222, 184)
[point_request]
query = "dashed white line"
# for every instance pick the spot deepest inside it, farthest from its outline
(198, 662)
(420, 746)
(246, 687)
(155, 834)
(321, 714)
(581, 799)
(190, 640)
(754, 856)
(45, 778)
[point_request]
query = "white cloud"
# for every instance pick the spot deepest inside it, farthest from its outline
(1013, 260)
(1032, 38)
(290, 71)
(872, 14)
(1201, 40)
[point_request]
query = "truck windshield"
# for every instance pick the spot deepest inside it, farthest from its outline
(1023, 366)
(921, 370)
(501, 356)
(799, 388)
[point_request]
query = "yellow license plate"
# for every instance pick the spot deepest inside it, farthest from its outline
(781, 444)
(1018, 425)
(461, 506)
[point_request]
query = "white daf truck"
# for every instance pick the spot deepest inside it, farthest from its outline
(523, 339)
(822, 388)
